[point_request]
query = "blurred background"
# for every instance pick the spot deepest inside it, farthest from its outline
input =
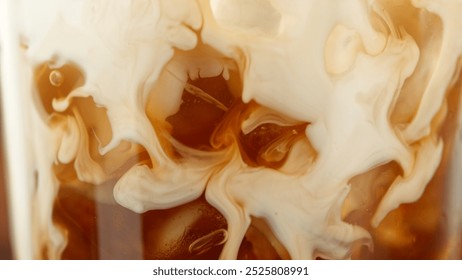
(5, 249)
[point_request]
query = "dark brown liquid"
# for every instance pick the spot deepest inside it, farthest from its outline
(416, 230)
(5, 246)
(102, 229)
(209, 118)
(128, 235)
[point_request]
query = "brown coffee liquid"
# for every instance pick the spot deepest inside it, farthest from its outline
(5, 246)
(416, 230)
(209, 119)
(95, 226)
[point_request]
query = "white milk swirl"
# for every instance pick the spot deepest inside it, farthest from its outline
(369, 84)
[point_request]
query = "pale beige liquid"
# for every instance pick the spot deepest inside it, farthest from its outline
(413, 231)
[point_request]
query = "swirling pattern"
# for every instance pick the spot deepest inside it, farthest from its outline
(344, 88)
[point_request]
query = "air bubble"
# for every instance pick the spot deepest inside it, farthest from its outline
(207, 242)
(56, 78)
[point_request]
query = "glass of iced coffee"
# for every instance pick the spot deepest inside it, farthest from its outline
(233, 129)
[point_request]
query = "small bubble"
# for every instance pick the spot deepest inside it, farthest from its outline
(56, 78)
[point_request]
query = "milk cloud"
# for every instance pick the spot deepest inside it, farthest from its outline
(348, 92)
